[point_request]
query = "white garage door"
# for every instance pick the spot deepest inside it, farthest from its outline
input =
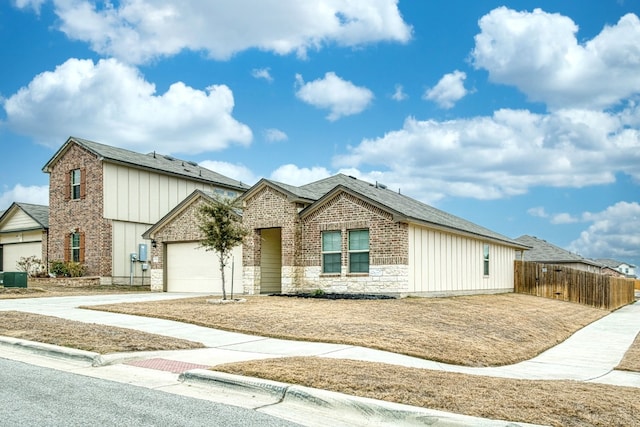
(11, 254)
(192, 269)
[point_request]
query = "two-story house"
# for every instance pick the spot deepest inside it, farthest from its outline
(625, 269)
(103, 198)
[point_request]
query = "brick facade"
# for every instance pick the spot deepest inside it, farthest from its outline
(301, 244)
(183, 227)
(83, 215)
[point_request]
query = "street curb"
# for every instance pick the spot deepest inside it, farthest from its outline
(95, 359)
(339, 407)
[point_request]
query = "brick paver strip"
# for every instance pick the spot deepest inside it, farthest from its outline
(174, 366)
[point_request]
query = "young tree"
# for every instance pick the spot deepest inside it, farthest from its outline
(220, 222)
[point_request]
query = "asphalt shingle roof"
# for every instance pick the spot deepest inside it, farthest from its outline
(612, 263)
(402, 205)
(39, 213)
(543, 251)
(157, 162)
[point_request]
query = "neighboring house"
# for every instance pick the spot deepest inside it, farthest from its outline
(102, 199)
(342, 234)
(627, 270)
(547, 253)
(23, 233)
(179, 263)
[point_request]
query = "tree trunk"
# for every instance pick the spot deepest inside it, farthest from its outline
(224, 291)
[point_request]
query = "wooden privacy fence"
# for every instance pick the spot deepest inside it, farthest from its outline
(569, 284)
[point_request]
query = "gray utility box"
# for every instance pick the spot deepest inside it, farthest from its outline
(14, 279)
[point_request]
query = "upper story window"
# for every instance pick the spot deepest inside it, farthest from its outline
(331, 251)
(485, 259)
(76, 181)
(358, 251)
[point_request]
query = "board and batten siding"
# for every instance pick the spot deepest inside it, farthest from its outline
(126, 237)
(447, 264)
(141, 196)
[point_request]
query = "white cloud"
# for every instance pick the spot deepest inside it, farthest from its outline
(111, 102)
(293, 175)
(449, 90)
(399, 94)
(539, 54)
(502, 155)
(564, 218)
(538, 211)
(33, 4)
(137, 31)
(238, 172)
(613, 233)
(341, 97)
(262, 73)
(275, 135)
(35, 194)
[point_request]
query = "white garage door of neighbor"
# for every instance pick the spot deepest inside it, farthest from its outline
(190, 268)
(11, 254)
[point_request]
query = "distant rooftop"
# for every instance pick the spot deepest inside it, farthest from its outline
(543, 251)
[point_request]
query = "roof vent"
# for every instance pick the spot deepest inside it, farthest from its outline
(169, 158)
(192, 163)
(380, 185)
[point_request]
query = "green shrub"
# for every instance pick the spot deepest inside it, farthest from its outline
(67, 269)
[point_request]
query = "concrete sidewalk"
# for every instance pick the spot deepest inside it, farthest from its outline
(590, 355)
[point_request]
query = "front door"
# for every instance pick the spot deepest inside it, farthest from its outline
(271, 261)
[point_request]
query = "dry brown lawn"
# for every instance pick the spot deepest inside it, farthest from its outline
(479, 330)
(85, 336)
(557, 403)
(53, 290)
(631, 360)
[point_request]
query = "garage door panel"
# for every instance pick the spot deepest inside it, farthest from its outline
(11, 254)
(190, 268)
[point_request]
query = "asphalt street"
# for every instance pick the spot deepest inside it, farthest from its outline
(37, 396)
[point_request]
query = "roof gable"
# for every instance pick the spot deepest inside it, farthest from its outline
(159, 163)
(402, 207)
(176, 211)
(24, 216)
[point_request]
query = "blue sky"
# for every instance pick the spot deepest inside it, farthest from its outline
(521, 116)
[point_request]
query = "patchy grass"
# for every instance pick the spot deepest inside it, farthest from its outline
(557, 403)
(482, 330)
(53, 290)
(85, 336)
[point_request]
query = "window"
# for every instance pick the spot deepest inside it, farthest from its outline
(75, 247)
(486, 259)
(331, 251)
(359, 251)
(75, 184)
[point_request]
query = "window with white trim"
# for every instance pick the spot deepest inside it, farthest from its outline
(75, 184)
(485, 260)
(75, 247)
(358, 251)
(331, 251)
